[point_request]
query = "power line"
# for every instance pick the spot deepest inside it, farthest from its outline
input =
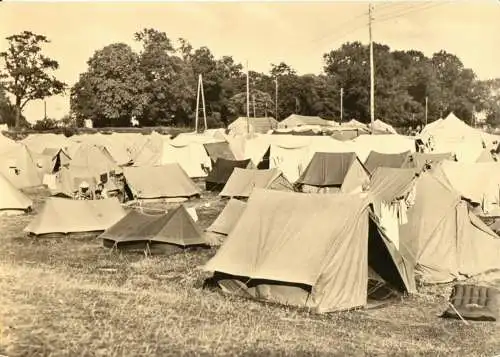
(392, 7)
(413, 10)
(338, 27)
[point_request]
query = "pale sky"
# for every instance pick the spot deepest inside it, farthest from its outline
(297, 33)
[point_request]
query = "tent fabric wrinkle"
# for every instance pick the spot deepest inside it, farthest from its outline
(281, 237)
(60, 215)
(149, 182)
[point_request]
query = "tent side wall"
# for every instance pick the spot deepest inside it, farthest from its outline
(355, 178)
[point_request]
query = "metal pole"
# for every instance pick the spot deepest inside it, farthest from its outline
(372, 70)
(203, 102)
(276, 99)
(248, 101)
(341, 105)
(426, 109)
(197, 105)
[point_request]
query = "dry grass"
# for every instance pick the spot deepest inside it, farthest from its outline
(66, 297)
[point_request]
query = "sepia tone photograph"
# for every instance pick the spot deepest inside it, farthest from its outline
(257, 178)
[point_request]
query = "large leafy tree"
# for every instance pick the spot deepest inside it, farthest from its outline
(171, 86)
(27, 71)
(7, 110)
(113, 90)
(403, 81)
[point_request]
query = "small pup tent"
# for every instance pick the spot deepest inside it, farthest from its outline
(393, 191)
(153, 182)
(22, 167)
(68, 180)
(228, 218)
(12, 201)
(221, 171)
(219, 150)
(243, 181)
(65, 216)
(333, 172)
(446, 240)
(377, 159)
(282, 250)
(168, 232)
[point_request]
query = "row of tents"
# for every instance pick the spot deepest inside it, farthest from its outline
(396, 216)
(313, 250)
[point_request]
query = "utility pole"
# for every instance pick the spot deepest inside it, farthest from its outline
(253, 103)
(426, 109)
(372, 68)
(248, 101)
(341, 105)
(45, 109)
(200, 92)
(473, 118)
(276, 99)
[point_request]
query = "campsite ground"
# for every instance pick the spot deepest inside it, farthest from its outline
(67, 297)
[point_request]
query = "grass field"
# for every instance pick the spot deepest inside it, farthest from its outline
(67, 297)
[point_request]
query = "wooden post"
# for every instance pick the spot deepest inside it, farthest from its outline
(372, 69)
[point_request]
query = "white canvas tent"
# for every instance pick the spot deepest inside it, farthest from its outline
(281, 250)
(65, 216)
(12, 201)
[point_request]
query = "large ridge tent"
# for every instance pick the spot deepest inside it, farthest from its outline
(189, 153)
(39, 142)
(281, 250)
(168, 232)
(148, 150)
(295, 120)
(419, 160)
(153, 182)
(12, 201)
(289, 156)
(228, 218)
(243, 181)
(381, 127)
(243, 125)
(65, 216)
(116, 148)
(383, 143)
(333, 172)
(477, 182)
(221, 171)
(444, 238)
(453, 135)
(58, 158)
(96, 159)
(377, 159)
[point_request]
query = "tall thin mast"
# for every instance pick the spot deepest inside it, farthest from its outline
(248, 100)
(372, 69)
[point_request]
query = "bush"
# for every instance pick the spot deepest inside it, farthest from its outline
(69, 132)
(45, 124)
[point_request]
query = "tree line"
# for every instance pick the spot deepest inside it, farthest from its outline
(158, 85)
